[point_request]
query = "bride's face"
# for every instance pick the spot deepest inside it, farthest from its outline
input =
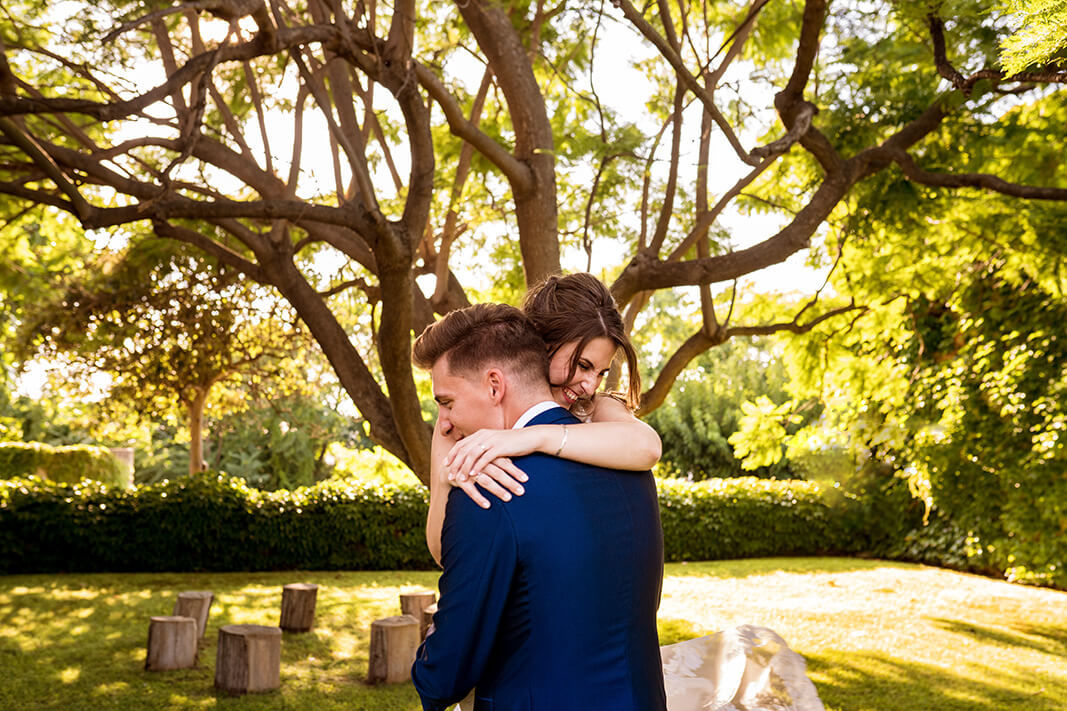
(593, 364)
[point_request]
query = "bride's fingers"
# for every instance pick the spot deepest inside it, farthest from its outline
(475, 495)
(459, 450)
(506, 474)
(474, 459)
(507, 465)
(483, 455)
(489, 484)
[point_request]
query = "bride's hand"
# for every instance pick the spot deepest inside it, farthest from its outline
(472, 453)
(498, 477)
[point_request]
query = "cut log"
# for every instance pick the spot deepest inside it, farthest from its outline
(249, 659)
(195, 604)
(171, 643)
(413, 603)
(427, 619)
(298, 607)
(393, 643)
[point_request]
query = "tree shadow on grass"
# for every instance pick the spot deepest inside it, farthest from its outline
(746, 567)
(81, 643)
(875, 682)
(1050, 640)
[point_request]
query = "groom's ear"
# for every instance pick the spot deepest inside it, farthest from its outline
(496, 384)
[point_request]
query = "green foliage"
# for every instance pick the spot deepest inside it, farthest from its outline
(958, 391)
(1040, 38)
(761, 432)
(213, 522)
(65, 464)
(746, 517)
(704, 411)
(990, 384)
(280, 443)
(210, 522)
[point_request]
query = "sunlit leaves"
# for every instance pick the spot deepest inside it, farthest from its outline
(1040, 37)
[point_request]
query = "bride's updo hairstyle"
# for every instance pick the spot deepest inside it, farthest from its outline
(578, 307)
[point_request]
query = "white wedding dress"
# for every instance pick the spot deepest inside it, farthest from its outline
(747, 668)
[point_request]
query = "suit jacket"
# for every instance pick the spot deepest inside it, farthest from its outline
(548, 602)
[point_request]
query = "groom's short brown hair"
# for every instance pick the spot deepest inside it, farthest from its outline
(480, 336)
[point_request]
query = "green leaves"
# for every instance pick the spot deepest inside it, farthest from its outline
(761, 436)
(1040, 38)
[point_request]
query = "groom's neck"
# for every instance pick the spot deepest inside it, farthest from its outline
(520, 402)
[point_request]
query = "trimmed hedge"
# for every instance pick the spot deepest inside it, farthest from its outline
(747, 517)
(212, 522)
(67, 464)
(209, 522)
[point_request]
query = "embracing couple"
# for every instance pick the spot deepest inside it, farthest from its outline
(549, 594)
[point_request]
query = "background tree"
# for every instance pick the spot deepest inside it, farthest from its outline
(426, 164)
(705, 410)
(167, 326)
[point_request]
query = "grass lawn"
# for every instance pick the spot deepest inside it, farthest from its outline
(877, 636)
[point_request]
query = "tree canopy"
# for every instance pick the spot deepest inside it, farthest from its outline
(394, 162)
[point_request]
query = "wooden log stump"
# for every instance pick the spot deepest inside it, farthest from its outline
(393, 643)
(298, 607)
(427, 618)
(195, 604)
(413, 603)
(171, 643)
(249, 659)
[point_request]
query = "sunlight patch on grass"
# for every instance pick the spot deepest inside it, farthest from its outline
(111, 688)
(877, 636)
(884, 636)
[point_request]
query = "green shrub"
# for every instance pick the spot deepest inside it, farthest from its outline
(211, 522)
(66, 464)
(747, 517)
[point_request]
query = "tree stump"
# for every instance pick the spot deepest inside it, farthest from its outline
(393, 643)
(249, 659)
(171, 643)
(298, 607)
(195, 604)
(427, 618)
(414, 603)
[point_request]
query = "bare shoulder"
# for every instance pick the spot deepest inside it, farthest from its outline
(610, 407)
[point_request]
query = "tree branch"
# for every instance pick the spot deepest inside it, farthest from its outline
(47, 165)
(516, 172)
(221, 252)
(982, 181)
(691, 83)
(701, 341)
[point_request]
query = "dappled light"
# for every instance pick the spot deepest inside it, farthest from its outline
(877, 635)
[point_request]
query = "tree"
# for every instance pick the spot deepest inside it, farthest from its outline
(167, 325)
(705, 410)
(860, 93)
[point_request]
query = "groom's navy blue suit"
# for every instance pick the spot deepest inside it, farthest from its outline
(548, 602)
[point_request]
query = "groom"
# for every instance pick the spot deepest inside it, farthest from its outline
(548, 602)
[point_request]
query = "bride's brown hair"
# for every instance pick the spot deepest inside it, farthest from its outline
(578, 307)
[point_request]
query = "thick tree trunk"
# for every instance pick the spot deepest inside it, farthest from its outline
(535, 204)
(394, 354)
(355, 377)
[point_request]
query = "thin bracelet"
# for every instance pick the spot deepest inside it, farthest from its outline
(562, 443)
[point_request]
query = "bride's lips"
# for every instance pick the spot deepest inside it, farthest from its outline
(570, 396)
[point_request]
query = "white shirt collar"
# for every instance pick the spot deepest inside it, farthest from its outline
(533, 412)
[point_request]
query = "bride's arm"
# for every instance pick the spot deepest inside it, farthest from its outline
(614, 438)
(501, 476)
(439, 488)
